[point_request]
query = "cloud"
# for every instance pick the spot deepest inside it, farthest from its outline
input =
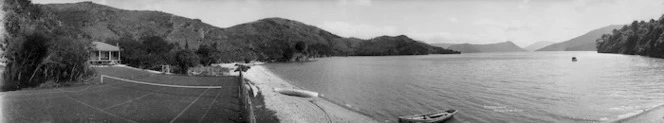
(524, 4)
(488, 22)
(363, 31)
(355, 2)
(453, 19)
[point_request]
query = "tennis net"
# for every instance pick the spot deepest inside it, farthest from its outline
(102, 77)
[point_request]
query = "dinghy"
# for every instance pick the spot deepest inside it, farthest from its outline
(437, 117)
(296, 92)
(254, 90)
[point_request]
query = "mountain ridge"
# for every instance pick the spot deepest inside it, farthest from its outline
(538, 45)
(507, 46)
(585, 42)
(266, 38)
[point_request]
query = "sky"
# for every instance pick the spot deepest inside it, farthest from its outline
(433, 21)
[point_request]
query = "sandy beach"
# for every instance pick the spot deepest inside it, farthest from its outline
(654, 115)
(295, 109)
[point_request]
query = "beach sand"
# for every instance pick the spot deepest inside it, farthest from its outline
(295, 109)
(654, 115)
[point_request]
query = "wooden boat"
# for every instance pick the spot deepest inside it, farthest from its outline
(296, 92)
(437, 117)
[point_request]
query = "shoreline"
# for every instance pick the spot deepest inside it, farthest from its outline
(300, 110)
(653, 115)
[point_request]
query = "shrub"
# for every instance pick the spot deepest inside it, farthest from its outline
(185, 59)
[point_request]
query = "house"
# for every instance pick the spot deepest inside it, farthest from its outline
(105, 54)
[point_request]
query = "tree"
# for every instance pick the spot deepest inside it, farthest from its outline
(205, 53)
(156, 45)
(301, 47)
(23, 59)
(186, 59)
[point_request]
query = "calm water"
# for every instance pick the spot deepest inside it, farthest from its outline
(488, 87)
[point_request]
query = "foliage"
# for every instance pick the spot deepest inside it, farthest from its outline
(143, 36)
(399, 45)
(186, 59)
(301, 46)
(24, 56)
(206, 54)
(637, 38)
(37, 49)
(151, 52)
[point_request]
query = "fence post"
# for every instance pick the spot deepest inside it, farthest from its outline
(246, 103)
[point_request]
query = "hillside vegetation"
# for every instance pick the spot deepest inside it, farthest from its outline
(638, 38)
(52, 42)
(269, 39)
(585, 42)
(38, 49)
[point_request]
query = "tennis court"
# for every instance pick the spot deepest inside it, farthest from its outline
(129, 96)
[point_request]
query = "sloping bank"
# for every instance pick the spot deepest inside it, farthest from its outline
(654, 115)
(295, 109)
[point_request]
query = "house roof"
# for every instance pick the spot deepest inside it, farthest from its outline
(101, 46)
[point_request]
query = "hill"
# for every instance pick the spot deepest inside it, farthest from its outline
(442, 45)
(639, 38)
(507, 46)
(585, 42)
(538, 45)
(398, 45)
(266, 39)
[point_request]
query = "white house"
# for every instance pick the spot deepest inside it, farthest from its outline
(105, 54)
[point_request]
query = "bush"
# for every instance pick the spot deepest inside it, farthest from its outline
(185, 59)
(151, 52)
(38, 50)
(24, 55)
(206, 52)
(35, 59)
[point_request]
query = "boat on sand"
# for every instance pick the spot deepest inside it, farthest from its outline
(437, 117)
(296, 92)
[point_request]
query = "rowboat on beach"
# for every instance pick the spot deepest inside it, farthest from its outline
(437, 117)
(296, 92)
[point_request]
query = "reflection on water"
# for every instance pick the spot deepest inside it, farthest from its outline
(488, 87)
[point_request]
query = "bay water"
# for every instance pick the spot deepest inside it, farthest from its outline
(487, 87)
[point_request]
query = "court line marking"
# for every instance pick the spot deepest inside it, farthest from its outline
(192, 103)
(158, 84)
(210, 107)
(131, 100)
(86, 88)
(101, 110)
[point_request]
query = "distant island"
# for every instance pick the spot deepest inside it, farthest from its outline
(585, 42)
(507, 46)
(638, 38)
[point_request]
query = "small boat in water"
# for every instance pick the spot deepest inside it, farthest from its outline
(437, 117)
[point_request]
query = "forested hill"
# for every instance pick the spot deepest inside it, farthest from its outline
(639, 38)
(265, 39)
(585, 42)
